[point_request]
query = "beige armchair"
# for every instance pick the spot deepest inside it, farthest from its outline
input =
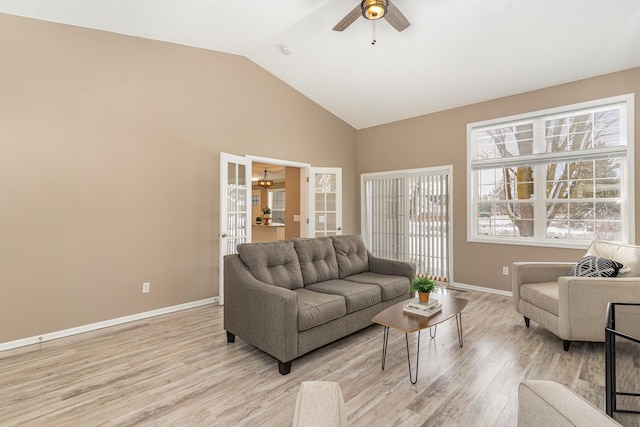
(573, 308)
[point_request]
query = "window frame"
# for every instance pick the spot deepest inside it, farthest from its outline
(539, 160)
(270, 193)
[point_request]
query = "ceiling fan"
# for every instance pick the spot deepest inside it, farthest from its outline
(373, 10)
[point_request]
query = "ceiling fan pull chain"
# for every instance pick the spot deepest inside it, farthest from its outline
(373, 32)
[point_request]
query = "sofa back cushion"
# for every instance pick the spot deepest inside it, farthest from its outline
(274, 263)
(317, 259)
(351, 255)
(627, 255)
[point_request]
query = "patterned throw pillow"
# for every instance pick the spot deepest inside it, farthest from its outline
(593, 266)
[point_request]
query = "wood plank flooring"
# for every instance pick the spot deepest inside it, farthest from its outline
(178, 370)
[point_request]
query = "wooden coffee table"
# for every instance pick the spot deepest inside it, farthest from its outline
(394, 317)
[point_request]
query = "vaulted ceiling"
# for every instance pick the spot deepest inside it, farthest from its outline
(454, 53)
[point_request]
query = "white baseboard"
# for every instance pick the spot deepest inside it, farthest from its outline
(463, 286)
(104, 324)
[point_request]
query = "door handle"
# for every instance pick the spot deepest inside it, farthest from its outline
(224, 235)
(339, 228)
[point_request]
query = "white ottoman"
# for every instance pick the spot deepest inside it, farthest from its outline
(319, 404)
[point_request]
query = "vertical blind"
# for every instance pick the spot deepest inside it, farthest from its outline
(406, 216)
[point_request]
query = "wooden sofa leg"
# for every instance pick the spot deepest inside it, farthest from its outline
(284, 367)
(230, 337)
(526, 321)
(566, 344)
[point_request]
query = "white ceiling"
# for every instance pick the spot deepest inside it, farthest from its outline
(456, 52)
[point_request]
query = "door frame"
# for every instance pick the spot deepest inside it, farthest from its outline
(304, 168)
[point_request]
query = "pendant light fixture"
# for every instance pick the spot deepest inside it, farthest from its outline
(264, 182)
(374, 9)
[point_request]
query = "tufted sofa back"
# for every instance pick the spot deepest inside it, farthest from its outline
(351, 254)
(275, 263)
(317, 259)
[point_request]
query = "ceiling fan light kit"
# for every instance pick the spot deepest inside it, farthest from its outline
(374, 9)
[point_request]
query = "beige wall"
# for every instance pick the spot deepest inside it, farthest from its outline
(292, 202)
(109, 168)
(440, 139)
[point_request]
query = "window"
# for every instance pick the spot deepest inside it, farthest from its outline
(277, 203)
(560, 177)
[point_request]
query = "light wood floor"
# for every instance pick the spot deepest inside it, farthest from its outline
(178, 370)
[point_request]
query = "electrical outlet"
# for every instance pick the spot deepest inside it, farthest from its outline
(146, 287)
(505, 271)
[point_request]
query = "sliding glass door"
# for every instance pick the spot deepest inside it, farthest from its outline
(406, 215)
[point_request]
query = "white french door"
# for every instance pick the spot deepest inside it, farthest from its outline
(235, 208)
(324, 189)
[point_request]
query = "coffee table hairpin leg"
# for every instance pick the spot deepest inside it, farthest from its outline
(385, 341)
(406, 338)
(432, 332)
(459, 325)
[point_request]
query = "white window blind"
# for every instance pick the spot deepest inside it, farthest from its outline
(406, 216)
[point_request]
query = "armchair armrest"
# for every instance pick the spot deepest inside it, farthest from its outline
(535, 272)
(582, 304)
(391, 267)
(264, 315)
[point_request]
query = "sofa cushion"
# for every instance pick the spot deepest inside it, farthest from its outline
(316, 308)
(543, 295)
(351, 254)
(274, 263)
(628, 255)
(356, 295)
(593, 266)
(390, 286)
(317, 259)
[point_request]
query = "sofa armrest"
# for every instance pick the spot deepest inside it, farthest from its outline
(391, 267)
(535, 272)
(547, 403)
(264, 315)
(582, 305)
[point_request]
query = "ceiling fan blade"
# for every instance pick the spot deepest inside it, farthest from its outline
(396, 18)
(349, 19)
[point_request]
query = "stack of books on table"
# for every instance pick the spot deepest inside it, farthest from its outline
(423, 308)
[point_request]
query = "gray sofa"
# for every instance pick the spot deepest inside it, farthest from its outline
(290, 297)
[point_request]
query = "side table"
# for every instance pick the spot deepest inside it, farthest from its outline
(610, 333)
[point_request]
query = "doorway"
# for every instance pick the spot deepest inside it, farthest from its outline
(275, 188)
(320, 203)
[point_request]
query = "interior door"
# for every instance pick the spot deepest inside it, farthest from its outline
(235, 208)
(325, 201)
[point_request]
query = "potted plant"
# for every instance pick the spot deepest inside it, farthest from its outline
(258, 220)
(424, 285)
(266, 214)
